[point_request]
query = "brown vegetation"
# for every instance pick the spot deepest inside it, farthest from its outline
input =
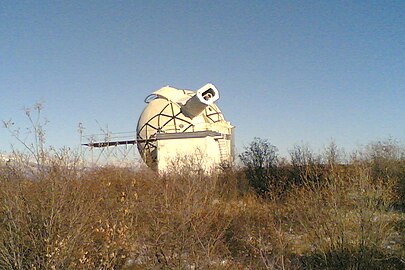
(312, 212)
(329, 215)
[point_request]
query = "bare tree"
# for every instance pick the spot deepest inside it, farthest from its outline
(261, 160)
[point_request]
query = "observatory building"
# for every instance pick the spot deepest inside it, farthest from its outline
(182, 125)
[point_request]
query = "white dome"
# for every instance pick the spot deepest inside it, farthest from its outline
(165, 114)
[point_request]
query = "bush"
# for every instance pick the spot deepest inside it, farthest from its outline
(387, 159)
(260, 160)
(61, 215)
(306, 168)
(68, 217)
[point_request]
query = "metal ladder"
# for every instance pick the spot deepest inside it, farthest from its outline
(223, 150)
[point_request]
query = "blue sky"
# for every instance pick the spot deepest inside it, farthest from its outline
(292, 72)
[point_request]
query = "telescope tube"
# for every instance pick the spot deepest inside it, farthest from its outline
(204, 97)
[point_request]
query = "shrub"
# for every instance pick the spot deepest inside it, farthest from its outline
(260, 162)
(61, 215)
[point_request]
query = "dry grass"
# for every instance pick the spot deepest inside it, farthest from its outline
(61, 216)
